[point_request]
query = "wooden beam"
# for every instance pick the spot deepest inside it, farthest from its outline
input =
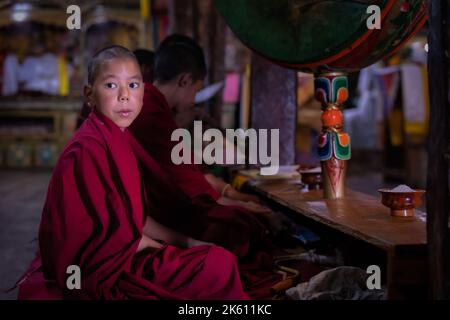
(438, 202)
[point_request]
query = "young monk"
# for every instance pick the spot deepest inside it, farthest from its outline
(95, 212)
(179, 70)
(145, 59)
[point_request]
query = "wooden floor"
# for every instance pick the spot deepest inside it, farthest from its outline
(22, 194)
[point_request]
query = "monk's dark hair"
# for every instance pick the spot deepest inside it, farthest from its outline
(179, 54)
(108, 53)
(146, 59)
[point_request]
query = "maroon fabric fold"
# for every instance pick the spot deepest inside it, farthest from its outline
(93, 218)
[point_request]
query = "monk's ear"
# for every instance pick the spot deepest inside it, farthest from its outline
(88, 95)
(184, 79)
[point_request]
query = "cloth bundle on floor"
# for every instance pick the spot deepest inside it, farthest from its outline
(342, 283)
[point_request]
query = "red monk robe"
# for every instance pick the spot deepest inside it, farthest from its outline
(153, 129)
(93, 218)
(232, 227)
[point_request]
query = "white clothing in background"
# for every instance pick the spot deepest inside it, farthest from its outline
(11, 74)
(41, 74)
(361, 123)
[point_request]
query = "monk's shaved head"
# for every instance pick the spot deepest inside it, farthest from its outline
(108, 53)
(179, 54)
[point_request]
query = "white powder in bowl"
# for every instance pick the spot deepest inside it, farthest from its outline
(402, 188)
(312, 170)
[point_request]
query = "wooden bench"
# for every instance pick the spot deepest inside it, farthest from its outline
(361, 217)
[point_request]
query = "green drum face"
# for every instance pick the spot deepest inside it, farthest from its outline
(320, 35)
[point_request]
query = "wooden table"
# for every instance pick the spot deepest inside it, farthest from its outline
(364, 218)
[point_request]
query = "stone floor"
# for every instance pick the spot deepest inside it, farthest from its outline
(22, 194)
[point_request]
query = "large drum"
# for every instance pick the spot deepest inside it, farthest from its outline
(329, 38)
(319, 35)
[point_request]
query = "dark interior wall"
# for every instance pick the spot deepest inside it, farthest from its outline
(274, 103)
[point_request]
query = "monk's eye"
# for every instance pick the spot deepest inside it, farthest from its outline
(134, 85)
(110, 85)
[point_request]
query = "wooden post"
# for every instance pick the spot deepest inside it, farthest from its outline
(274, 103)
(200, 20)
(438, 202)
(211, 36)
(181, 20)
(331, 89)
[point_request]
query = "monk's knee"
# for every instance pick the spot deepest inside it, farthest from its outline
(224, 259)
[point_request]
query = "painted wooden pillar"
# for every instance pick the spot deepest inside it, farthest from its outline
(331, 90)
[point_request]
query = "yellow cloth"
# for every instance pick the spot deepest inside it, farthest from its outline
(245, 98)
(63, 76)
(145, 9)
(238, 181)
(395, 127)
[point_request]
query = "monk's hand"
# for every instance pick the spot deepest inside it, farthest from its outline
(236, 195)
(255, 207)
(147, 242)
(249, 205)
(194, 242)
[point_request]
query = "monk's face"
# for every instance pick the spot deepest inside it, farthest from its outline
(186, 91)
(117, 91)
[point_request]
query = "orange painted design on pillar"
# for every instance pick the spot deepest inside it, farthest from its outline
(332, 117)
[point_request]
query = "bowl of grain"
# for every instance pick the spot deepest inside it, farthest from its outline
(401, 200)
(311, 176)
